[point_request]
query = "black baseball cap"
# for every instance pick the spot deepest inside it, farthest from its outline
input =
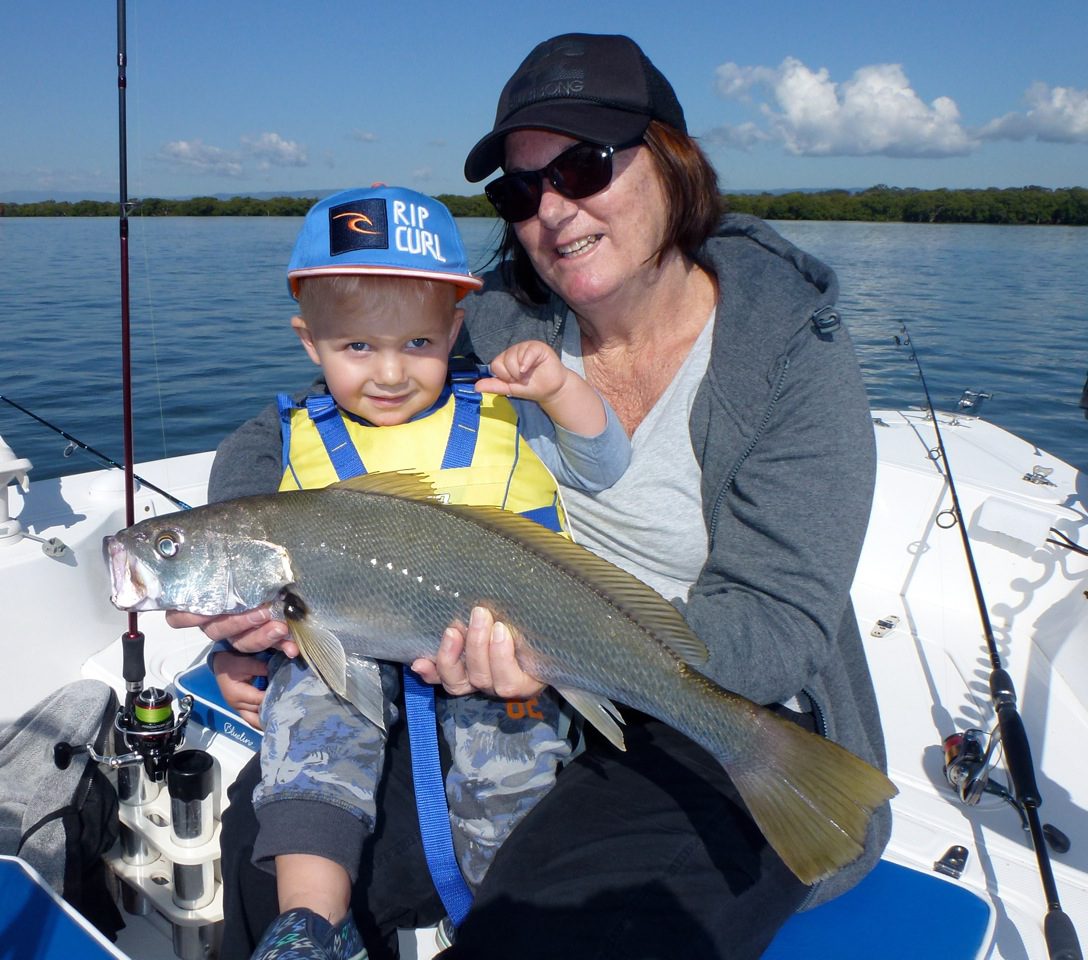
(595, 87)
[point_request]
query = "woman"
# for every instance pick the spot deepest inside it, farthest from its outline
(746, 502)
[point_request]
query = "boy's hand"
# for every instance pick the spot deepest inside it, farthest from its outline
(479, 659)
(248, 632)
(530, 370)
(234, 672)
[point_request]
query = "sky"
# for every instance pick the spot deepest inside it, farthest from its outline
(257, 96)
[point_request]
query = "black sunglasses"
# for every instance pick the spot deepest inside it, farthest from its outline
(579, 171)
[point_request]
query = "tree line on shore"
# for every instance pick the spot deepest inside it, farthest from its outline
(1013, 205)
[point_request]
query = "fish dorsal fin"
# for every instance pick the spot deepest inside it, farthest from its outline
(626, 592)
(407, 484)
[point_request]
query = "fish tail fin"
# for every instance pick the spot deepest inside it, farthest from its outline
(812, 798)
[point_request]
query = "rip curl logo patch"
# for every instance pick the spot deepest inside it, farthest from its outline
(360, 225)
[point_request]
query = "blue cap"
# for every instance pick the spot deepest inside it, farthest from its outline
(390, 231)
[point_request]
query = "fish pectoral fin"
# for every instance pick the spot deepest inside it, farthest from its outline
(600, 711)
(323, 652)
(364, 689)
(409, 484)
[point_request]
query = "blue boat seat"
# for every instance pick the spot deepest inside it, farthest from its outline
(895, 913)
(36, 924)
(211, 710)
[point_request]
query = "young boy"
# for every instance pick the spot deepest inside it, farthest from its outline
(378, 274)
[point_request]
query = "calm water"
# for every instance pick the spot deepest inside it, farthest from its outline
(999, 309)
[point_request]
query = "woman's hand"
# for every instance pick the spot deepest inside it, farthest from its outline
(234, 672)
(248, 632)
(479, 659)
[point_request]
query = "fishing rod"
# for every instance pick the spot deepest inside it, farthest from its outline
(146, 723)
(146, 730)
(133, 640)
(1061, 936)
(97, 454)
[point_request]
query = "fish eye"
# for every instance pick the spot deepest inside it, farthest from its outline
(168, 544)
(293, 607)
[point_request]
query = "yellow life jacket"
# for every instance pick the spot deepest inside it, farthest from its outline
(468, 445)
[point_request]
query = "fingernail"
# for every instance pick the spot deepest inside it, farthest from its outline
(258, 616)
(278, 632)
(478, 617)
(499, 634)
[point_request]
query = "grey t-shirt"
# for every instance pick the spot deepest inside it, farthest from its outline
(624, 524)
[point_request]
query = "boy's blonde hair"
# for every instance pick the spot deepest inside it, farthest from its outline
(317, 296)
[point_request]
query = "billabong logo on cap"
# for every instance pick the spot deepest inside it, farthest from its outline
(558, 78)
(359, 225)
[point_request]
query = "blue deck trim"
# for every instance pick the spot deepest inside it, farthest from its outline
(895, 913)
(35, 924)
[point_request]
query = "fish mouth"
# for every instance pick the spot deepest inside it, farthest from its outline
(134, 584)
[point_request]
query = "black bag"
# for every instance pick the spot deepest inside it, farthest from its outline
(63, 822)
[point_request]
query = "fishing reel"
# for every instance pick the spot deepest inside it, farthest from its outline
(150, 732)
(967, 764)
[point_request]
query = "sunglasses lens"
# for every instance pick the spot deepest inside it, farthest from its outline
(515, 196)
(581, 171)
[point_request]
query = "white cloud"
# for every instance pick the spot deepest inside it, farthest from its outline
(741, 137)
(875, 112)
(271, 150)
(203, 157)
(365, 136)
(1054, 114)
(265, 150)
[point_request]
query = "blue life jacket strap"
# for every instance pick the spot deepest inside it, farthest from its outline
(325, 415)
(461, 445)
(285, 405)
(431, 809)
(546, 516)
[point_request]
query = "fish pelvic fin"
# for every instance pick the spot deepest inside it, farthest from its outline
(322, 650)
(599, 711)
(364, 688)
(812, 798)
(357, 679)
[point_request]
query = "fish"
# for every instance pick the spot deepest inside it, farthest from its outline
(377, 567)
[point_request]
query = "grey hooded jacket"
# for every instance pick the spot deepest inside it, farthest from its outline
(782, 431)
